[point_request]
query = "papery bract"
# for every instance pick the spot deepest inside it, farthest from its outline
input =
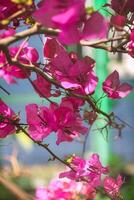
(69, 125)
(112, 186)
(40, 121)
(27, 55)
(43, 120)
(89, 170)
(95, 27)
(52, 48)
(6, 126)
(71, 74)
(114, 89)
(65, 189)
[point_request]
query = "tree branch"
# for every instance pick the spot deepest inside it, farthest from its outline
(36, 29)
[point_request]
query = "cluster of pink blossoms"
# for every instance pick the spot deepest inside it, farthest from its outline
(64, 119)
(65, 189)
(23, 53)
(82, 182)
(76, 75)
(70, 73)
(68, 70)
(75, 20)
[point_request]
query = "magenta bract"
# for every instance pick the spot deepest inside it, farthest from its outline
(6, 126)
(114, 89)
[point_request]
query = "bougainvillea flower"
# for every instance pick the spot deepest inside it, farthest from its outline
(71, 12)
(40, 121)
(52, 48)
(90, 170)
(95, 27)
(69, 125)
(43, 120)
(114, 89)
(80, 76)
(6, 127)
(65, 189)
(112, 186)
(27, 55)
(72, 74)
(75, 21)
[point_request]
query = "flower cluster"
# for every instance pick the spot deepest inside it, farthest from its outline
(67, 69)
(23, 54)
(91, 171)
(65, 189)
(43, 120)
(82, 182)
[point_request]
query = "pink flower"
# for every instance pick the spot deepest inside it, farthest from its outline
(40, 121)
(112, 186)
(114, 89)
(42, 193)
(95, 27)
(89, 170)
(6, 127)
(65, 189)
(27, 55)
(71, 12)
(69, 125)
(75, 21)
(52, 48)
(71, 73)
